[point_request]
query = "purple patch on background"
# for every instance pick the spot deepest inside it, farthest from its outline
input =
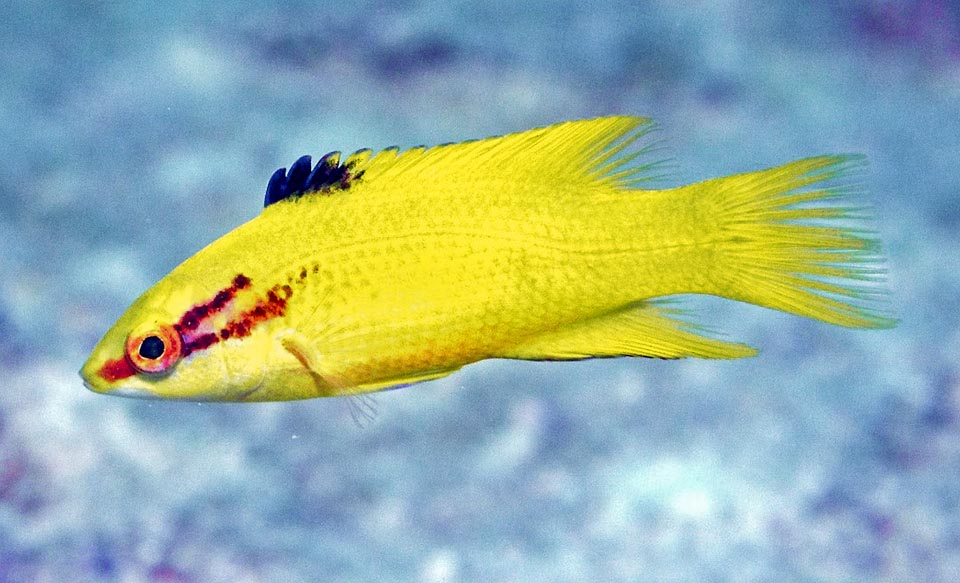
(929, 25)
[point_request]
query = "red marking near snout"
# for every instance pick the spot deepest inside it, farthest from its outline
(115, 370)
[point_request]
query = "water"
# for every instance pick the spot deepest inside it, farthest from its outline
(134, 137)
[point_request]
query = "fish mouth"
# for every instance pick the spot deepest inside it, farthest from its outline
(93, 382)
(90, 378)
(129, 392)
(132, 393)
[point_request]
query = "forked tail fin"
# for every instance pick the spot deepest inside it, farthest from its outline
(786, 240)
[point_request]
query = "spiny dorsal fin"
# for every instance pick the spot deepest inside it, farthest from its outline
(327, 176)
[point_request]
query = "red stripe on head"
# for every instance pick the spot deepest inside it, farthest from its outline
(195, 326)
(275, 305)
(194, 317)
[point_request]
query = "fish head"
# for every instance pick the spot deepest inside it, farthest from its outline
(179, 341)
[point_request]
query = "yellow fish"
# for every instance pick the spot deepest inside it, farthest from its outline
(392, 268)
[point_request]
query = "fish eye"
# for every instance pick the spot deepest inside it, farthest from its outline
(154, 349)
(151, 348)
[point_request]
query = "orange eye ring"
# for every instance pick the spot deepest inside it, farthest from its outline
(154, 349)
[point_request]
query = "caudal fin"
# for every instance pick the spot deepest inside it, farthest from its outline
(788, 241)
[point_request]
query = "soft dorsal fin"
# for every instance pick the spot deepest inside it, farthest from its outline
(582, 151)
(573, 152)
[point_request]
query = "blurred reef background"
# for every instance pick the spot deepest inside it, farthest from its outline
(134, 136)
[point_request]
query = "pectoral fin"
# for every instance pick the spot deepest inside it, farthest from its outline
(643, 330)
(300, 347)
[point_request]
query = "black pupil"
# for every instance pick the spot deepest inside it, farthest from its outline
(151, 347)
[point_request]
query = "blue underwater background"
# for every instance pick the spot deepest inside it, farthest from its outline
(134, 136)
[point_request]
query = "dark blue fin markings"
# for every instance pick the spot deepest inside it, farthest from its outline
(328, 176)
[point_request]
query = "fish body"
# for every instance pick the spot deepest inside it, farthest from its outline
(398, 267)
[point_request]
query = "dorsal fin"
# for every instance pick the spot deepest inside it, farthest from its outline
(582, 151)
(327, 176)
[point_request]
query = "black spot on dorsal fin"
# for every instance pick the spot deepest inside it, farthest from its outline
(325, 172)
(276, 187)
(327, 176)
(297, 177)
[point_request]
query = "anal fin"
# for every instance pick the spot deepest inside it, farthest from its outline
(646, 330)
